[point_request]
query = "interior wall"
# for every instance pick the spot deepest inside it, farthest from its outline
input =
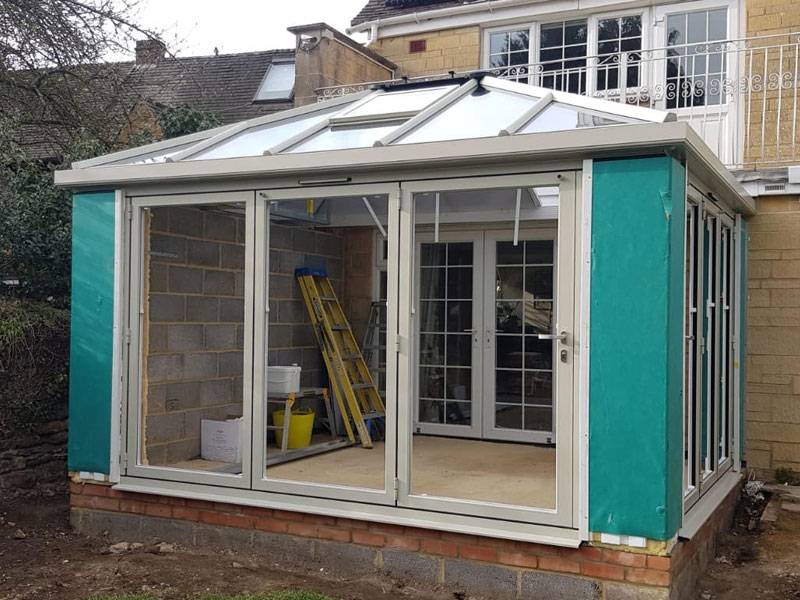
(291, 337)
(194, 327)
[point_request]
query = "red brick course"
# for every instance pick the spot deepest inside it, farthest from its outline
(586, 561)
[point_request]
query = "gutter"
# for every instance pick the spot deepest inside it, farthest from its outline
(464, 9)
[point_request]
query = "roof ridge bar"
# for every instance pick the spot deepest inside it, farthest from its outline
(298, 137)
(426, 114)
(282, 115)
(315, 129)
(529, 114)
(161, 145)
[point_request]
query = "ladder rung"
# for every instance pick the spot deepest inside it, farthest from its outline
(362, 386)
(328, 298)
(339, 327)
(351, 356)
(373, 415)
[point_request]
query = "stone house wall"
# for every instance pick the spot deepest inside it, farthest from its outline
(773, 337)
(446, 50)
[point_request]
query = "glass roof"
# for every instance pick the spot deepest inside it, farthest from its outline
(479, 114)
(452, 109)
(560, 117)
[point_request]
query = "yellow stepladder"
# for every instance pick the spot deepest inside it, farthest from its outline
(356, 394)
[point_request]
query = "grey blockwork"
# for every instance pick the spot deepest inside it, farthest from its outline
(194, 308)
(196, 314)
(404, 565)
(549, 586)
(481, 579)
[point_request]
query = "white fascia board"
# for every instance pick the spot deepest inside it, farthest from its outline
(275, 117)
(620, 140)
(715, 175)
(148, 148)
(620, 109)
(497, 12)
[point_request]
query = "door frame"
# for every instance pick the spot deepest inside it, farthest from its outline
(563, 514)
(134, 439)
(260, 474)
(564, 322)
(474, 430)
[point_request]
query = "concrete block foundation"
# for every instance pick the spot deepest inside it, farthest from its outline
(479, 566)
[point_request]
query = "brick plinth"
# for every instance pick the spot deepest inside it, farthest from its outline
(507, 569)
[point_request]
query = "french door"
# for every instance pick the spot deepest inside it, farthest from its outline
(486, 344)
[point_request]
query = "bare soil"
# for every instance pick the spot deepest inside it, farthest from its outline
(53, 562)
(756, 564)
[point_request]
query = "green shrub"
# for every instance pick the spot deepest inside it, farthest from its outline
(787, 476)
(34, 363)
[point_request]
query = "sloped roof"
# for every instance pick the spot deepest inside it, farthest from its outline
(381, 9)
(444, 110)
(223, 84)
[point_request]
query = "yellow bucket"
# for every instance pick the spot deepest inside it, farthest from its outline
(301, 422)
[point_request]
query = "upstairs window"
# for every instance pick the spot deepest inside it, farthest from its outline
(510, 51)
(278, 83)
(562, 54)
(619, 39)
(696, 58)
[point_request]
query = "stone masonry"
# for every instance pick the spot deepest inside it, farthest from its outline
(773, 338)
(446, 50)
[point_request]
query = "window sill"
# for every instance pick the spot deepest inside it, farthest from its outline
(700, 512)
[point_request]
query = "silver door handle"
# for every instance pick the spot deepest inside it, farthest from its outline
(561, 337)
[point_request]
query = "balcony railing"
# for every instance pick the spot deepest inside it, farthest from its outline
(742, 96)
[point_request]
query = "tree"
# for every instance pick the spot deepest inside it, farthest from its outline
(53, 73)
(175, 121)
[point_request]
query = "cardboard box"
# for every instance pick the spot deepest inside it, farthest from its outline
(219, 440)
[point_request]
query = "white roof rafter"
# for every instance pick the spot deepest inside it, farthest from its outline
(343, 114)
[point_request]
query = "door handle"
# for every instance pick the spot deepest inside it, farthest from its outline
(561, 337)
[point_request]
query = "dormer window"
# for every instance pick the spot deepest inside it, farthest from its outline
(278, 83)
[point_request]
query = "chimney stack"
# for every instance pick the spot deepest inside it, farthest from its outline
(150, 52)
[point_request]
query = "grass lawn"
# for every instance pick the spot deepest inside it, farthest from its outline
(284, 595)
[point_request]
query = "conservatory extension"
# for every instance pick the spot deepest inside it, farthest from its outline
(430, 322)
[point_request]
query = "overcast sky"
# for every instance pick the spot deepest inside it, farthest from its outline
(196, 27)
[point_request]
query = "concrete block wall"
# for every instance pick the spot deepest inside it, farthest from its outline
(291, 337)
(195, 332)
(446, 50)
(477, 565)
(773, 339)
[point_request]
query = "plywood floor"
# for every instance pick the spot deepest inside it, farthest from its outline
(517, 474)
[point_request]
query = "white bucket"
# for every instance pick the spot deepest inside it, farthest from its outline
(283, 380)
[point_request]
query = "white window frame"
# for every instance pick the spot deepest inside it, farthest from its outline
(534, 36)
(729, 461)
(277, 95)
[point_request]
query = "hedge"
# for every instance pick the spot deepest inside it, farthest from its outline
(34, 363)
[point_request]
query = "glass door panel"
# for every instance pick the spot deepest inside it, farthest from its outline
(483, 382)
(191, 326)
(521, 285)
(448, 348)
(329, 431)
